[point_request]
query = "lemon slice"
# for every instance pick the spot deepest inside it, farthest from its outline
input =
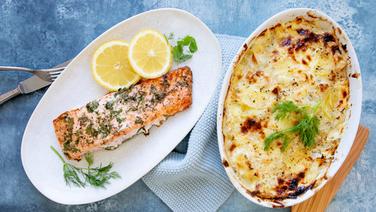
(150, 54)
(111, 68)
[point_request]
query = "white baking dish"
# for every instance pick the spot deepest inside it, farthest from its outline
(353, 115)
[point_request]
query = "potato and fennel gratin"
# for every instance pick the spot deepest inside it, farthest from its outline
(286, 108)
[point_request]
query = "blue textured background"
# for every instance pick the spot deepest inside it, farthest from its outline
(43, 33)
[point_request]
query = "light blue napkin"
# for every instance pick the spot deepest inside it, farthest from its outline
(194, 180)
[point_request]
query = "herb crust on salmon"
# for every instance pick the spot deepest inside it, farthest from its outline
(107, 122)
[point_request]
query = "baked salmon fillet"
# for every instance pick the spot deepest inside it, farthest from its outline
(107, 122)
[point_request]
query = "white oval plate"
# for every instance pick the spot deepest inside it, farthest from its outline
(352, 123)
(76, 86)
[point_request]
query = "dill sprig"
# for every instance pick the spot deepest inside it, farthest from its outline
(284, 108)
(274, 136)
(80, 177)
(307, 126)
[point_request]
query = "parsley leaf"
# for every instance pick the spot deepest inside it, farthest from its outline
(307, 127)
(184, 49)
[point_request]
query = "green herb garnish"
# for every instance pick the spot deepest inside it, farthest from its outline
(83, 120)
(104, 129)
(283, 109)
(92, 106)
(115, 113)
(184, 49)
(90, 130)
(89, 157)
(138, 120)
(307, 126)
(80, 177)
(119, 120)
(109, 105)
(170, 37)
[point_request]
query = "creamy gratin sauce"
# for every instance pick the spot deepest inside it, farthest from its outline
(295, 61)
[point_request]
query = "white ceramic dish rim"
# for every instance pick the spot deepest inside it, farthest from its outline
(354, 110)
(34, 182)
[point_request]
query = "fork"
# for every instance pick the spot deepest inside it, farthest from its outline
(46, 74)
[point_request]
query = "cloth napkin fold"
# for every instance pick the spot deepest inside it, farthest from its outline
(194, 179)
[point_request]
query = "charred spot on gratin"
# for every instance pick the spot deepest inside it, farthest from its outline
(295, 61)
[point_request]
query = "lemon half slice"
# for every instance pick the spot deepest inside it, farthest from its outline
(111, 68)
(150, 54)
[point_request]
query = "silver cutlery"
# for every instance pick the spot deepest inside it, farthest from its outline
(46, 74)
(33, 83)
(27, 86)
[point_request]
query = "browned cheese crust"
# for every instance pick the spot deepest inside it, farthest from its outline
(296, 61)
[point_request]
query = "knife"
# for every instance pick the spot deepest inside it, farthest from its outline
(27, 86)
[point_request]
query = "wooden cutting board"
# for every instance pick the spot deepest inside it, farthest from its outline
(320, 201)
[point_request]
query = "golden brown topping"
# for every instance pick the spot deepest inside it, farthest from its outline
(296, 61)
(263, 33)
(335, 49)
(286, 41)
(276, 90)
(245, 46)
(232, 147)
(252, 77)
(355, 75)
(344, 93)
(328, 37)
(332, 76)
(249, 165)
(323, 87)
(276, 26)
(254, 60)
(250, 124)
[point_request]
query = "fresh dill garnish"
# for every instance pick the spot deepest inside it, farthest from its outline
(80, 177)
(274, 136)
(307, 126)
(89, 157)
(184, 49)
(284, 108)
